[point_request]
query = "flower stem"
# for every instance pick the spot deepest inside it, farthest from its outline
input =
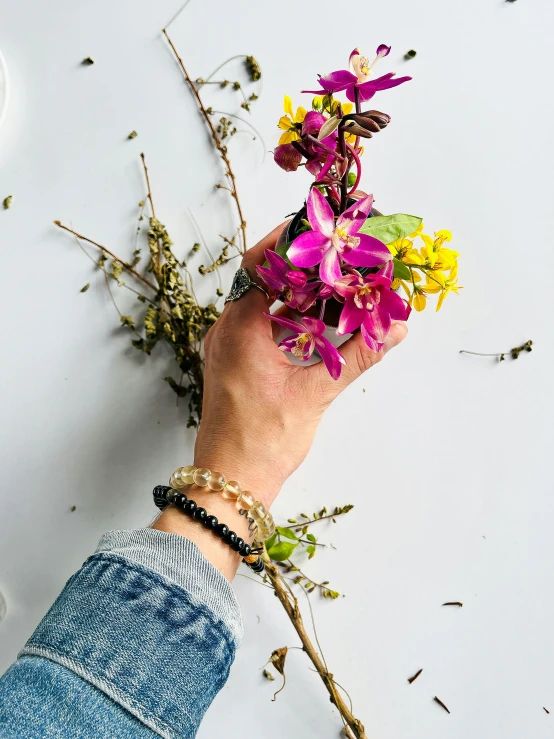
(344, 178)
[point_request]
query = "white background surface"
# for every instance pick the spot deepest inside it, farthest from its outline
(447, 458)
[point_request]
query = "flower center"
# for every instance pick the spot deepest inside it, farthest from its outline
(372, 299)
(341, 238)
(299, 345)
(361, 67)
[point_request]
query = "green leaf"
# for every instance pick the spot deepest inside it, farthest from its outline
(310, 537)
(389, 228)
(311, 550)
(282, 550)
(401, 270)
(286, 532)
(351, 179)
(271, 541)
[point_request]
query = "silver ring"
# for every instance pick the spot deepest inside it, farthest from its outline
(242, 282)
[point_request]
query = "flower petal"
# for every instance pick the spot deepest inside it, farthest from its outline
(286, 156)
(329, 268)
(307, 249)
(346, 286)
(336, 81)
(300, 114)
(370, 252)
(286, 323)
(313, 166)
(330, 355)
(384, 82)
(320, 215)
(369, 340)
(284, 123)
(287, 106)
(295, 277)
(397, 308)
(314, 325)
(383, 50)
(354, 217)
(277, 264)
(270, 279)
(312, 123)
(377, 324)
(351, 318)
(326, 167)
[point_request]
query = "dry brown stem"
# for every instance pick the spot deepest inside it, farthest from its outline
(124, 264)
(222, 150)
(290, 604)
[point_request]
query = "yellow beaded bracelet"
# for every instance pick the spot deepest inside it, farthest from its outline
(183, 477)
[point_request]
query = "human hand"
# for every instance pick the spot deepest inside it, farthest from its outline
(260, 412)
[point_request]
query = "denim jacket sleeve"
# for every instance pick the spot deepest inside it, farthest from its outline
(138, 644)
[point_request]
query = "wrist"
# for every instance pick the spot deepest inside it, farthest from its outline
(258, 476)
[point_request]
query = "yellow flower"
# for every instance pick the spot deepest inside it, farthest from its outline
(291, 123)
(437, 256)
(403, 249)
(438, 282)
(420, 301)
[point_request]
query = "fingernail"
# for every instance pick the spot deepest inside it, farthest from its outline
(398, 332)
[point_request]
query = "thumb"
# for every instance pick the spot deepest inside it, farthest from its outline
(359, 358)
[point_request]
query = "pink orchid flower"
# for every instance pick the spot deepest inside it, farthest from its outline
(319, 155)
(308, 336)
(289, 284)
(370, 305)
(359, 78)
(328, 242)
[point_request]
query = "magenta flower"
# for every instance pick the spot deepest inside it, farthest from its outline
(370, 305)
(306, 338)
(328, 242)
(289, 284)
(317, 153)
(359, 78)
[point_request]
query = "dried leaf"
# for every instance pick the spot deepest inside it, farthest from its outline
(85, 288)
(132, 135)
(441, 704)
(268, 675)
(87, 61)
(415, 677)
(278, 658)
(7, 202)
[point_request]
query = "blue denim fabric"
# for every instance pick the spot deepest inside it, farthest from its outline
(137, 645)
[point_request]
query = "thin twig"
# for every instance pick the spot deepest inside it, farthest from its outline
(290, 604)
(125, 265)
(222, 150)
(243, 120)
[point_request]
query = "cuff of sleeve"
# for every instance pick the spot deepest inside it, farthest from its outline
(180, 560)
(149, 622)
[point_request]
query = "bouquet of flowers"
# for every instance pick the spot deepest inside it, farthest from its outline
(339, 264)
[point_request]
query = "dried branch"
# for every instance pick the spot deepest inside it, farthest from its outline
(290, 604)
(124, 264)
(222, 150)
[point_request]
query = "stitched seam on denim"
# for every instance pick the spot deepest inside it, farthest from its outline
(176, 590)
(106, 686)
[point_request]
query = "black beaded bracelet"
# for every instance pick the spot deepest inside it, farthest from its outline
(165, 496)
